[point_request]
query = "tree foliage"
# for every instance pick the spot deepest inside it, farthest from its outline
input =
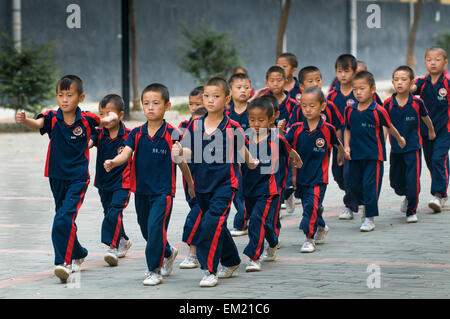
(27, 76)
(208, 54)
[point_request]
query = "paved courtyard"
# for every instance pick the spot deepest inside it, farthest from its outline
(397, 260)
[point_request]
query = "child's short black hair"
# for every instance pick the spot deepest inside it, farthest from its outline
(306, 70)
(275, 69)
(67, 80)
(441, 50)
(115, 99)
(365, 75)
(235, 71)
(238, 76)
(405, 68)
(197, 91)
(318, 92)
(200, 111)
(272, 99)
(262, 104)
(362, 64)
(157, 87)
(346, 61)
(291, 57)
(219, 82)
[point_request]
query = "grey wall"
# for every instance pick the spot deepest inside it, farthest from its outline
(317, 33)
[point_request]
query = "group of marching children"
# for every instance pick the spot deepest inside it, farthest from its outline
(253, 150)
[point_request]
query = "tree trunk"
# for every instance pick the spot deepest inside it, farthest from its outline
(134, 59)
(410, 59)
(282, 26)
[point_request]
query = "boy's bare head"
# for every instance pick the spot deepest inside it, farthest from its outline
(310, 76)
(157, 87)
(436, 60)
(221, 83)
(288, 61)
(66, 81)
(116, 100)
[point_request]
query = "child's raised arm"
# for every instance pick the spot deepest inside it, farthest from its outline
(21, 118)
(107, 120)
(119, 159)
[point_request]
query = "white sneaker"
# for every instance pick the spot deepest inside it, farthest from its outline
(321, 234)
(411, 219)
(404, 206)
(167, 267)
(235, 232)
(270, 254)
(367, 225)
(346, 214)
(435, 204)
(298, 201)
(283, 206)
(76, 264)
(63, 272)
(308, 246)
(290, 204)
(253, 265)
(226, 272)
(443, 201)
(190, 262)
(124, 245)
(152, 279)
(111, 257)
(208, 280)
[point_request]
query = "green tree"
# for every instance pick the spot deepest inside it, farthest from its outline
(27, 76)
(208, 54)
(443, 41)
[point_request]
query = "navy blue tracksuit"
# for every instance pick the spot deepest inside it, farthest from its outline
(215, 185)
(406, 164)
(341, 173)
(67, 169)
(113, 187)
(367, 150)
(240, 219)
(262, 188)
(314, 148)
(154, 188)
(437, 100)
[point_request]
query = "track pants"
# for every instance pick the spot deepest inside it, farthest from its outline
(113, 202)
(191, 228)
(261, 224)
(312, 198)
(68, 196)
(215, 242)
(436, 158)
(365, 180)
(404, 176)
(153, 215)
